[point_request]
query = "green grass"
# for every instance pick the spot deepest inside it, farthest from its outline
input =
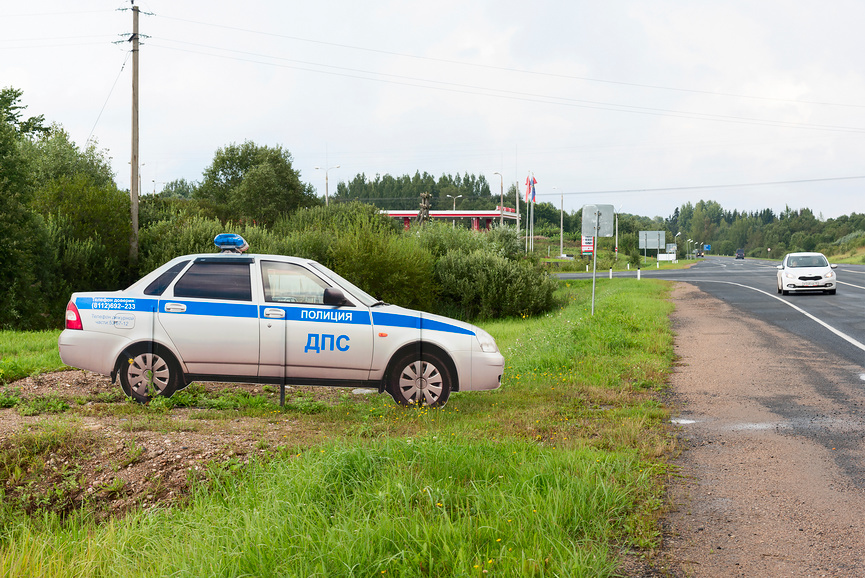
(554, 474)
(397, 507)
(24, 353)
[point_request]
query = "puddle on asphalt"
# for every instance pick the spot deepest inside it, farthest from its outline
(757, 426)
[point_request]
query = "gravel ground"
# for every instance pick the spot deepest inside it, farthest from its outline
(121, 460)
(770, 480)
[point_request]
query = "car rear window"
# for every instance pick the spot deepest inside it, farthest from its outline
(224, 281)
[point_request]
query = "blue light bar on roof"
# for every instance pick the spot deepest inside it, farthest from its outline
(230, 243)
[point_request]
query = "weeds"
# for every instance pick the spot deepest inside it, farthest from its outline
(9, 397)
(42, 404)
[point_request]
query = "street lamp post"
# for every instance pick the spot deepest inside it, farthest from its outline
(454, 222)
(502, 201)
(327, 170)
(689, 248)
(561, 225)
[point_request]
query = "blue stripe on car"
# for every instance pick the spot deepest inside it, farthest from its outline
(116, 303)
(417, 322)
(213, 308)
(322, 315)
(244, 310)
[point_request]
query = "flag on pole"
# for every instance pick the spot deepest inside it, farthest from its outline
(530, 188)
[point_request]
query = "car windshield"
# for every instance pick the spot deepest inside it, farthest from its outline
(356, 291)
(807, 261)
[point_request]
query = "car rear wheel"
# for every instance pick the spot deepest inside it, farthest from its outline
(148, 371)
(420, 379)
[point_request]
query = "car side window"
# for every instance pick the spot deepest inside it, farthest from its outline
(161, 283)
(224, 281)
(289, 283)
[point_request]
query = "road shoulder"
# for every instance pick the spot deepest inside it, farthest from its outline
(764, 485)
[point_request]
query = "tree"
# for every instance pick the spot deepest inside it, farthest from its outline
(25, 266)
(10, 115)
(255, 183)
(178, 189)
(56, 157)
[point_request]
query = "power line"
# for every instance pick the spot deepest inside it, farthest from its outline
(699, 187)
(122, 66)
(506, 94)
(511, 69)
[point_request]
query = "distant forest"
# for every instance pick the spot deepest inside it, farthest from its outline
(761, 233)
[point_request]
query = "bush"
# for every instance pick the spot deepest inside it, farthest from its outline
(483, 285)
(478, 272)
(439, 238)
(393, 268)
(185, 234)
(337, 218)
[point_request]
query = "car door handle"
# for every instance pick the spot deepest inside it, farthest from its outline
(274, 313)
(175, 307)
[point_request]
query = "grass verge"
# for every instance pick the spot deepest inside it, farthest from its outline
(559, 472)
(24, 353)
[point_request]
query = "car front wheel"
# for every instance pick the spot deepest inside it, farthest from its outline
(148, 371)
(420, 379)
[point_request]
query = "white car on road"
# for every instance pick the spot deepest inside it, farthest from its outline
(270, 319)
(806, 272)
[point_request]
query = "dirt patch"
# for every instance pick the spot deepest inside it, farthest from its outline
(769, 483)
(114, 456)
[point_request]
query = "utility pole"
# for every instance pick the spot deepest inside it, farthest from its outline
(134, 181)
(562, 228)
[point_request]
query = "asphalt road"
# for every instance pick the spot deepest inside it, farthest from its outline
(770, 397)
(833, 322)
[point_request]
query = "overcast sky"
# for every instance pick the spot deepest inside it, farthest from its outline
(645, 105)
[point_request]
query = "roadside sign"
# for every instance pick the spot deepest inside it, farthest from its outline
(598, 220)
(652, 239)
(588, 245)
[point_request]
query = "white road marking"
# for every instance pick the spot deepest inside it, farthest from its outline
(850, 284)
(840, 334)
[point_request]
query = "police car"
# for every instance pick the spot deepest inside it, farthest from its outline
(273, 319)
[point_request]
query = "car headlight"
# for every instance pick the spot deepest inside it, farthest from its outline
(789, 275)
(829, 275)
(486, 341)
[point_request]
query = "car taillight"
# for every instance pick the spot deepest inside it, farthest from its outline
(73, 319)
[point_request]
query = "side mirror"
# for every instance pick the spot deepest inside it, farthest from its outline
(834, 265)
(779, 266)
(334, 297)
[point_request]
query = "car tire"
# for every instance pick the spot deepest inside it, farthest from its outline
(779, 289)
(148, 370)
(420, 379)
(831, 291)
